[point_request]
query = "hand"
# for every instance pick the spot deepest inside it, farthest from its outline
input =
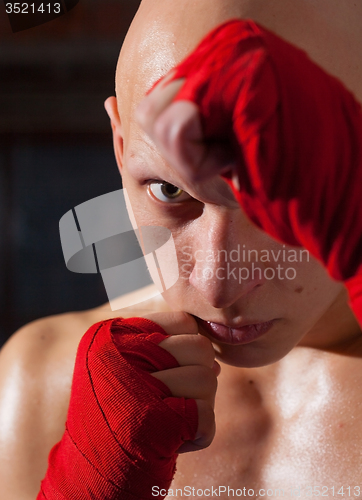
(132, 408)
(196, 376)
(176, 129)
(292, 132)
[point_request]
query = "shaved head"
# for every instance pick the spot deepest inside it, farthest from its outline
(161, 35)
(163, 32)
(204, 216)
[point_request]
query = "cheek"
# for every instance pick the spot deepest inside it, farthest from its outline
(311, 293)
(170, 247)
(298, 275)
(181, 296)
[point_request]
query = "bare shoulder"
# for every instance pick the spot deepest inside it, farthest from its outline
(36, 369)
(41, 355)
(43, 340)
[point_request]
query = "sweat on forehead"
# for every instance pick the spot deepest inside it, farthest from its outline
(162, 33)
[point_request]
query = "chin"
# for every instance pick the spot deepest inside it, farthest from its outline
(249, 356)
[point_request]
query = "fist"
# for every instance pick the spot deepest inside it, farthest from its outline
(196, 377)
(176, 129)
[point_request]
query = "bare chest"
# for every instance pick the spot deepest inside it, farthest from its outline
(276, 440)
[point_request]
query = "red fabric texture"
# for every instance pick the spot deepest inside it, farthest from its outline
(123, 426)
(296, 132)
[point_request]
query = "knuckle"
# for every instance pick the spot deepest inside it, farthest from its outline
(205, 349)
(171, 318)
(207, 378)
(145, 112)
(162, 129)
(206, 428)
(171, 127)
(206, 414)
(187, 321)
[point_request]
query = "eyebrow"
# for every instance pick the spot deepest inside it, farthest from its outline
(142, 166)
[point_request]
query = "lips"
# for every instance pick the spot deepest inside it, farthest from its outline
(235, 336)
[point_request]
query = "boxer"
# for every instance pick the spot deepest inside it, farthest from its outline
(287, 403)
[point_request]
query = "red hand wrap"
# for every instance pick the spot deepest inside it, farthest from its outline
(297, 136)
(123, 426)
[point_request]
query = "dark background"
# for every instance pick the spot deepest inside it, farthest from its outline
(55, 152)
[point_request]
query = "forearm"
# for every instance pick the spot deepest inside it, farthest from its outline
(296, 135)
(123, 425)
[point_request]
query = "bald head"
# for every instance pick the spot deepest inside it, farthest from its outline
(163, 32)
(161, 35)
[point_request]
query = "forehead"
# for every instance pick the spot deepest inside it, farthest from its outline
(147, 54)
(162, 33)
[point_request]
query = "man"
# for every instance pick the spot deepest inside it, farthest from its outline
(281, 426)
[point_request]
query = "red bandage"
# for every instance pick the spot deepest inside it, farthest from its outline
(297, 136)
(123, 427)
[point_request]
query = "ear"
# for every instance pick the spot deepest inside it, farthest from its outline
(112, 110)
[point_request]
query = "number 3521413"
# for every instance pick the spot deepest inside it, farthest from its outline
(31, 8)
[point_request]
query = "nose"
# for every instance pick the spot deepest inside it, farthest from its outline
(221, 271)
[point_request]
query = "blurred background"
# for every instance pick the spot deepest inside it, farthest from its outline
(55, 152)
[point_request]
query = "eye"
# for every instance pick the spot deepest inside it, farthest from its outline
(166, 192)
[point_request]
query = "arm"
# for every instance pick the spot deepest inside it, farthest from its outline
(293, 133)
(133, 407)
(36, 369)
(36, 366)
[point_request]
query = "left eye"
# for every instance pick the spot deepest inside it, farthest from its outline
(166, 192)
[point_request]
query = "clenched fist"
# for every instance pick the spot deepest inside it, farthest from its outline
(142, 392)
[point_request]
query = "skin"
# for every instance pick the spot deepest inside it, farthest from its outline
(282, 421)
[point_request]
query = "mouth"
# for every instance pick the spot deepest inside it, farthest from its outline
(234, 336)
